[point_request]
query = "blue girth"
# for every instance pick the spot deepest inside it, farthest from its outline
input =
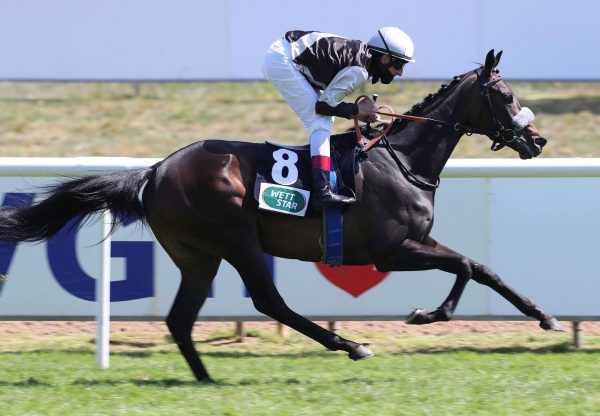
(333, 225)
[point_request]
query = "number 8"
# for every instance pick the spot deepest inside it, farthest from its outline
(284, 170)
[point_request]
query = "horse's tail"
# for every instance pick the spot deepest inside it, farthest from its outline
(75, 198)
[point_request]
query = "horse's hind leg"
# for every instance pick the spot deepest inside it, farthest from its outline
(248, 260)
(196, 278)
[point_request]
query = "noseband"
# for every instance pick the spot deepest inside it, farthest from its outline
(500, 135)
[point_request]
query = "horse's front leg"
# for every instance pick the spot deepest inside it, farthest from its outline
(485, 276)
(445, 311)
(430, 254)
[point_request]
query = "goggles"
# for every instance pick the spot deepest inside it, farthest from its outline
(397, 63)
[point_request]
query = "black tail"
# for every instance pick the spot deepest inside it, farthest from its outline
(76, 198)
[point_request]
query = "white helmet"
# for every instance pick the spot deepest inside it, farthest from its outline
(393, 41)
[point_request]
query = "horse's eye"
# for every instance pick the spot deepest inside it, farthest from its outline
(508, 98)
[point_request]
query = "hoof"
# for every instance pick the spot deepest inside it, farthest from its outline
(418, 317)
(551, 324)
(360, 353)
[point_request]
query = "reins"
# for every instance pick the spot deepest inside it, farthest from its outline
(500, 135)
(359, 139)
(468, 130)
(382, 137)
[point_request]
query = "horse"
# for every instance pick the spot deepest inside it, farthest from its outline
(199, 204)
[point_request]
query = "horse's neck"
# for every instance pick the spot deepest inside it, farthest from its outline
(426, 147)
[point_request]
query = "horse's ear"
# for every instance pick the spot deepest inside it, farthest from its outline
(498, 59)
(490, 60)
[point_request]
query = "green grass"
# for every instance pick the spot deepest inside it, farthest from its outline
(463, 382)
(477, 374)
(153, 120)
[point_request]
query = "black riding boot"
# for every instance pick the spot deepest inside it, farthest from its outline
(322, 195)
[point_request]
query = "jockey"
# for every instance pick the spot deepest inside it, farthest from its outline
(314, 71)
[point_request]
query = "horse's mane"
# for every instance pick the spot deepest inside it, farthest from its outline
(418, 108)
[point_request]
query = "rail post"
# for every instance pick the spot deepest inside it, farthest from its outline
(103, 297)
(577, 343)
(240, 331)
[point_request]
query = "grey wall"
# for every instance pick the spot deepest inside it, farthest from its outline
(226, 39)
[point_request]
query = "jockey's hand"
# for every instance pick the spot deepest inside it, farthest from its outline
(366, 111)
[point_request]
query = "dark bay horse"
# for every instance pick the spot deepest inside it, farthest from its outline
(200, 205)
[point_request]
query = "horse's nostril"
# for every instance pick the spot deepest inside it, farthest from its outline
(540, 141)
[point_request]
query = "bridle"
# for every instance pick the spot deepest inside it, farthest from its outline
(499, 134)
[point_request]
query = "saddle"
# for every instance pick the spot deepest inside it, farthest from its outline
(283, 182)
(283, 185)
(283, 175)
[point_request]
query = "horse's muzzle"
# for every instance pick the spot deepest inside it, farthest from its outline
(525, 150)
(540, 142)
(536, 144)
(534, 140)
(528, 147)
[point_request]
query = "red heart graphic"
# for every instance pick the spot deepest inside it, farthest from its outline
(355, 280)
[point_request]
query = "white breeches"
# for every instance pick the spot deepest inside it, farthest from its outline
(279, 69)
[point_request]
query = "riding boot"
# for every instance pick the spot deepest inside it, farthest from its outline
(322, 196)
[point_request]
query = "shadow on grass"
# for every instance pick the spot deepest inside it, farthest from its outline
(29, 382)
(175, 383)
(166, 382)
(135, 344)
(558, 348)
(78, 351)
